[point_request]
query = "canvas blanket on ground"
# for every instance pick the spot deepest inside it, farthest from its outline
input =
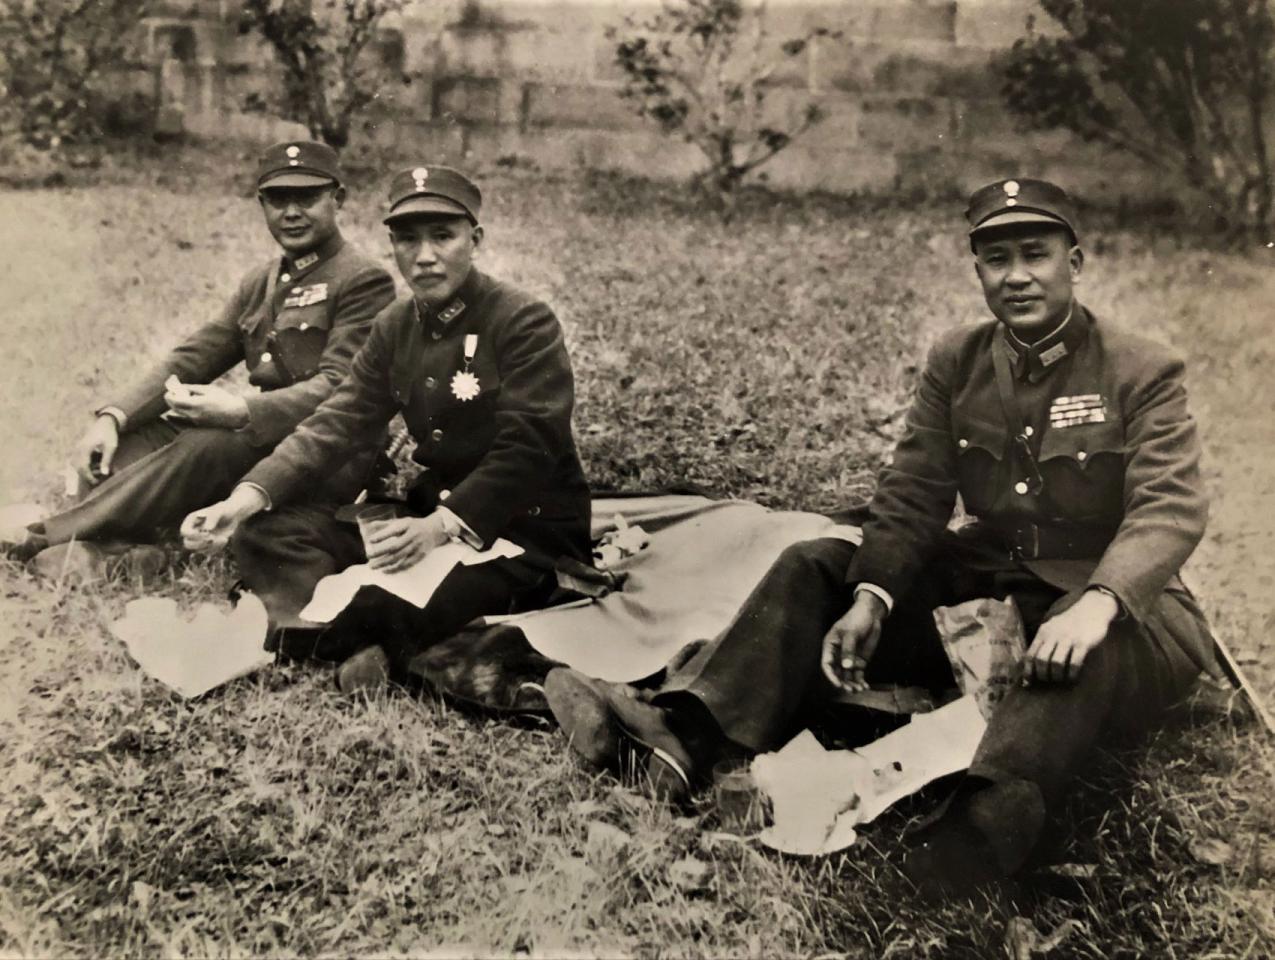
(703, 558)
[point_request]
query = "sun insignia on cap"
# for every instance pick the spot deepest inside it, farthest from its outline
(420, 175)
(293, 151)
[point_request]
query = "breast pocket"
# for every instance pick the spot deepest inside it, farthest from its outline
(1083, 467)
(300, 336)
(980, 448)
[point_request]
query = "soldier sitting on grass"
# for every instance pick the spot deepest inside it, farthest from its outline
(1071, 444)
(480, 373)
(175, 441)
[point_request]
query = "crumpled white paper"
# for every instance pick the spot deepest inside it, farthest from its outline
(416, 584)
(819, 796)
(197, 655)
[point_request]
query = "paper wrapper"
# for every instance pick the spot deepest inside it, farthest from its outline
(985, 641)
(197, 655)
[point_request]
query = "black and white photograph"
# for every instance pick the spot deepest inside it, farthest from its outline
(669, 478)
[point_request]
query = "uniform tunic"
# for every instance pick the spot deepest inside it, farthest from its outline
(296, 325)
(504, 461)
(1118, 502)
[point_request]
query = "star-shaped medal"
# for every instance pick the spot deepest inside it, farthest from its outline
(465, 385)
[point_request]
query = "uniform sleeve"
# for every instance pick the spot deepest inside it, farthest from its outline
(201, 358)
(274, 414)
(1165, 507)
(533, 424)
(916, 493)
(353, 417)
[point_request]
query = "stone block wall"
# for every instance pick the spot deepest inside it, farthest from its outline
(911, 103)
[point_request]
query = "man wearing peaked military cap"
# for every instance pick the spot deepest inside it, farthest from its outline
(480, 374)
(1070, 444)
(175, 441)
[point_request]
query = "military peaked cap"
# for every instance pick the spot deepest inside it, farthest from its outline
(298, 163)
(1007, 202)
(441, 191)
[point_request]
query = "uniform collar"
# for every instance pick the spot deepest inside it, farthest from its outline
(446, 315)
(299, 267)
(1033, 361)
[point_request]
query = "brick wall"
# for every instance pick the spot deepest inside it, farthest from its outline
(909, 99)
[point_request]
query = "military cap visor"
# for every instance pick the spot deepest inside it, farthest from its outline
(296, 178)
(1013, 217)
(427, 206)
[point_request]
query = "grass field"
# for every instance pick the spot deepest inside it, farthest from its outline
(769, 359)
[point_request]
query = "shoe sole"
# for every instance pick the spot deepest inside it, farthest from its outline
(581, 709)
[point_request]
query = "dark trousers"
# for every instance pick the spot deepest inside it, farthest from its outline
(160, 474)
(762, 675)
(284, 553)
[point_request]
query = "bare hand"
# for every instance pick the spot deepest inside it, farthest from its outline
(851, 642)
(210, 529)
(398, 544)
(97, 448)
(1065, 639)
(206, 405)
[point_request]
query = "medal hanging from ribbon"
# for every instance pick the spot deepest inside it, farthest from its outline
(465, 385)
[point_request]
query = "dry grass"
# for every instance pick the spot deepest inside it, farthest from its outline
(769, 359)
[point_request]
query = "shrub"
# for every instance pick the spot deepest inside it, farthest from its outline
(321, 45)
(701, 70)
(57, 57)
(1182, 85)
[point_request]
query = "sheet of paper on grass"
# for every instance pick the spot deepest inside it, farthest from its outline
(416, 584)
(194, 656)
(820, 796)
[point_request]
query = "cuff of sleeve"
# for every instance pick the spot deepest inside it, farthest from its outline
(458, 529)
(878, 592)
(115, 413)
(259, 429)
(1122, 611)
(265, 495)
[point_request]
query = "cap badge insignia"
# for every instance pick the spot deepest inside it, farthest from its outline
(465, 385)
(1011, 189)
(420, 175)
(293, 151)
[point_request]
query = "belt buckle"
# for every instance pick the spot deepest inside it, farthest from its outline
(1026, 545)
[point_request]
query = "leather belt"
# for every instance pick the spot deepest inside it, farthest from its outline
(1032, 541)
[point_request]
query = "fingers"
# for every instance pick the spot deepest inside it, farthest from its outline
(830, 658)
(108, 448)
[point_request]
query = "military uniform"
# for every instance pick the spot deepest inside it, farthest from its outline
(485, 387)
(1097, 488)
(296, 324)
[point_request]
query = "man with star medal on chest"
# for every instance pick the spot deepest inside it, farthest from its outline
(1072, 448)
(480, 373)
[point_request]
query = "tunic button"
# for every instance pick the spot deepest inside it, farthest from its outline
(430, 383)
(1020, 487)
(534, 511)
(436, 435)
(285, 278)
(963, 443)
(444, 494)
(1081, 456)
(266, 358)
(306, 326)
(1028, 430)
(436, 334)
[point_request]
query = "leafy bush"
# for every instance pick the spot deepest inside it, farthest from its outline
(321, 44)
(1183, 85)
(700, 69)
(56, 59)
